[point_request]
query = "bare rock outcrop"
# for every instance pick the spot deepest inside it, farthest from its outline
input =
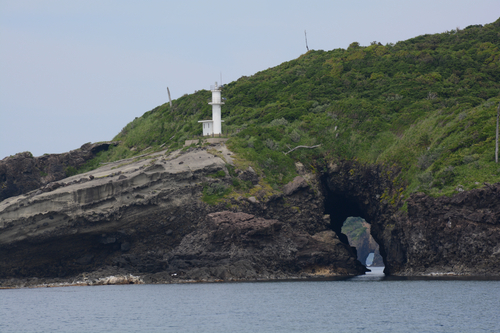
(22, 172)
(145, 217)
(296, 184)
(241, 246)
(81, 223)
(452, 235)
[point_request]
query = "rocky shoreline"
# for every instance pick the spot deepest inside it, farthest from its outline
(145, 218)
(150, 279)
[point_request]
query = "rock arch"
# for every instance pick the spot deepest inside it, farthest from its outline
(458, 235)
(351, 188)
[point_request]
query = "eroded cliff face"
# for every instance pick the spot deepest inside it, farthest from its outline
(146, 218)
(22, 172)
(85, 220)
(458, 235)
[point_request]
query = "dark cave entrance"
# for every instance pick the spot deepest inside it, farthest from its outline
(350, 220)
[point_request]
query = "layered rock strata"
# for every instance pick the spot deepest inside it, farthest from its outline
(22, 172)
(145, 217)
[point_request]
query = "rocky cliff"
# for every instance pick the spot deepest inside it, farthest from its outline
(22, 172)
(145, 220)
(458, 235)
(454, 235)
(145, 217)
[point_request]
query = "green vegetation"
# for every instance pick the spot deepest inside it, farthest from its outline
(112, 154)
(427, 105)
(71, 171)
(353, 228)
(218, 174)
(213, 192)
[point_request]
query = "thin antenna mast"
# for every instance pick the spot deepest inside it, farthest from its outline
(221, 78)
(169, 98)
(305, 34)
(496, 143)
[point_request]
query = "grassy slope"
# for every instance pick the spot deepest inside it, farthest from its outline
(427, 104)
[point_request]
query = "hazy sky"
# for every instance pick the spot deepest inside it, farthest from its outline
(76, 71)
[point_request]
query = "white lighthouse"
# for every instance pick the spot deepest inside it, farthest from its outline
(214, 126)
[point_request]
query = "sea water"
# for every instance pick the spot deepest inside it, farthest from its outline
(368, 303)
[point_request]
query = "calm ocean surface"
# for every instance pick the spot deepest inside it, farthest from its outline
(361, 304)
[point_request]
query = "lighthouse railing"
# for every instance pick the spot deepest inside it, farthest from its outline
(221, 101)
(226, 133)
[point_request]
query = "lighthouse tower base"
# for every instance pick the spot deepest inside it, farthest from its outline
(214, 126)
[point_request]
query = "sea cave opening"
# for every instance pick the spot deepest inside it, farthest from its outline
(358, 234)
(350, 220)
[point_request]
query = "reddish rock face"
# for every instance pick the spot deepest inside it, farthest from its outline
(244, 224)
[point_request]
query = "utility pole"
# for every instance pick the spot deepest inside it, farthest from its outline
(496, 141)
(169, 98)
(305, 34)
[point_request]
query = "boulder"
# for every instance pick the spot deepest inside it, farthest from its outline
(295, 185)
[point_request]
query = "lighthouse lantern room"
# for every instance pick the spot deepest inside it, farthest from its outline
(214, 126)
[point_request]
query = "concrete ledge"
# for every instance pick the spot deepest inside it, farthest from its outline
(203, 140)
